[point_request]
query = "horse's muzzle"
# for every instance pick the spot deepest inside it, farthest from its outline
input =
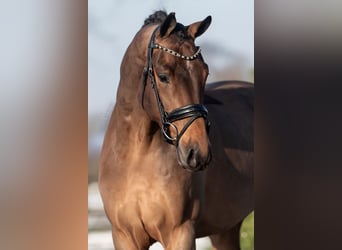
(191, 158)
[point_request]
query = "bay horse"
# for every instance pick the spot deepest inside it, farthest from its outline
(177, 158)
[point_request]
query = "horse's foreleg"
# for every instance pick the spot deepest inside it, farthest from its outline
(182, 238)
(227, 240)
(126, 241)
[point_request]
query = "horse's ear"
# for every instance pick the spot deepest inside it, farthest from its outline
(197, 29)
(168, 25)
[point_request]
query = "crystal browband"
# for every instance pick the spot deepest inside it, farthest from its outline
(174, 53)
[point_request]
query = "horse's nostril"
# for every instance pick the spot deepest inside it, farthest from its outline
(191, 159)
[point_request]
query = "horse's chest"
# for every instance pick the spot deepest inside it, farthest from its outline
(150, 206)
(156, 196)
(151, 192)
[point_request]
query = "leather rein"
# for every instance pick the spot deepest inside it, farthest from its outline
(193, 111)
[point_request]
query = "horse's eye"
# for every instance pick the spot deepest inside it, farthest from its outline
(163, 78)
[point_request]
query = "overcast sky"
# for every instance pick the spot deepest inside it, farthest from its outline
(112, 25)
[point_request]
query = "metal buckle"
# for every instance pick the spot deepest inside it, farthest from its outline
(165, 128)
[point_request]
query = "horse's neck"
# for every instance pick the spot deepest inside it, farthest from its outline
(132, 127)
(136, 146)
(131, 120)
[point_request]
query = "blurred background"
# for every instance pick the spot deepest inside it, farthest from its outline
(227, 47)
(44, 111)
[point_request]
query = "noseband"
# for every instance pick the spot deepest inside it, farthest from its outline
(193, 111)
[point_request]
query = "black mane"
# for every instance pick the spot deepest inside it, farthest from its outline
(157, 17)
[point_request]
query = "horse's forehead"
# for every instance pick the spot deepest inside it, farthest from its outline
(184, 47)
(180, 32)
(178, 42)
(179, 38)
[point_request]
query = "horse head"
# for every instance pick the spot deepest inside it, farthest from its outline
(173, 88)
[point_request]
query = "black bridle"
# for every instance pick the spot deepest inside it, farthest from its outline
(193, 111)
